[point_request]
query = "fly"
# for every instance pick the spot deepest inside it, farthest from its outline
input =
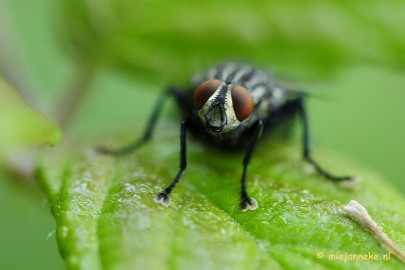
(229, 106)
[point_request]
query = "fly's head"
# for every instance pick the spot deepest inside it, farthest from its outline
(221, 106)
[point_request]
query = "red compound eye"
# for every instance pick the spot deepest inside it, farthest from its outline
(242, 100)
(204, 92)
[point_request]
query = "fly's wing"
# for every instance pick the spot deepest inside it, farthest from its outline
(293, 94)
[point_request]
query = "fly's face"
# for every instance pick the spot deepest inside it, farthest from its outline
(222, 106)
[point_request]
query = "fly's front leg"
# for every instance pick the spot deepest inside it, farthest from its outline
(163, 196)
(147, 134)
(307, 146)
(247, 203)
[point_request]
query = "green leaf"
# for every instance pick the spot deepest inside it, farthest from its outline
(106, 218)
(22, 127)
(313, 36)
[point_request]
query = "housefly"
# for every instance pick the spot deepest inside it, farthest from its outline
(229, 106)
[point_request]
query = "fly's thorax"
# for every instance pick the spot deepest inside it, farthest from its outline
(270, 99)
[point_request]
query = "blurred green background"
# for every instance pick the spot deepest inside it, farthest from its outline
(86, 64)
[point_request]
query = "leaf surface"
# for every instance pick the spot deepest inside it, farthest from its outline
(107, 219)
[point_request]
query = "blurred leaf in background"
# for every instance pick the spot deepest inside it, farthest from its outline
(23, 131)
(121, 53)
(351, 54)
(22, 127)
(25, 225)
(26, 229)
(174, 39)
